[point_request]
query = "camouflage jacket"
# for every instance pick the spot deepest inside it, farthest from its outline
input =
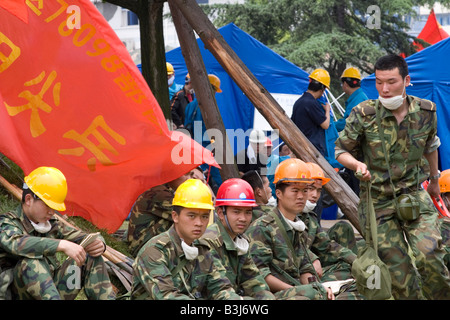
(19, 240)
(241, 270)
(260, 210)
(271, 253)
(204, 277)
(328, 251)
(150, 216)
(406, 143)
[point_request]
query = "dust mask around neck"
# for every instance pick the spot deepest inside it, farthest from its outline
(41, 227)
(392, 103)
(241, 245)
(190, 252)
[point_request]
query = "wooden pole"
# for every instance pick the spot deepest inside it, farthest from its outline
(116, 257)
(206, 97)
(344, 196)
(153, 56)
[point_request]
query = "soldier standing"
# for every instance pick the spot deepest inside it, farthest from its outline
(31, 236)
(392, 141)
(175, 264)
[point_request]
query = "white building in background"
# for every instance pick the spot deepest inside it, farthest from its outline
(126, 25)
(417, 23)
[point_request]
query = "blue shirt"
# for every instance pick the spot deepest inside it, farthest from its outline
(174, 88)
(308, 114)
(356, 98)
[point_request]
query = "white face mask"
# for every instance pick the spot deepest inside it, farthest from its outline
(241, 245)
(190, 252)
(392, 103)
(171, 80)
(309, 206)
(41, 227)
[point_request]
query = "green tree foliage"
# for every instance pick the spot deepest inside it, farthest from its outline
(332, 34)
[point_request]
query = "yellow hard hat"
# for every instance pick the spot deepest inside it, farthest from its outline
(50, 185)
(351, 73)
(170, 69)
(444, 181)
(193, 193)
(215, 81)
(322, 76)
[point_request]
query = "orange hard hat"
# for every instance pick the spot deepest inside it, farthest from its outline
(292, 170)
(317, 172)
(215, 81)
(444, 181)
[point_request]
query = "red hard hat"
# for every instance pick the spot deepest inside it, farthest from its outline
(235, 192)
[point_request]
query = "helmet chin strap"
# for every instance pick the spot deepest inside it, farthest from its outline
(228, 224)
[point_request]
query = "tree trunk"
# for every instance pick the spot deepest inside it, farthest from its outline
(153, 55)
(343, 195)
(205, 95)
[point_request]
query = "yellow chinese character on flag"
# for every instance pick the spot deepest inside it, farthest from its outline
(36, 101)
(96, 150)
(13, 52)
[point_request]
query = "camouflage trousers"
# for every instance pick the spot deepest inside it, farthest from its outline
(38, 279)
(303, 292)
(413, 252)
(445, 232)
(342, 232)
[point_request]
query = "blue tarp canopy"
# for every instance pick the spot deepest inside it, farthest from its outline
(275, 73)
(430, 77)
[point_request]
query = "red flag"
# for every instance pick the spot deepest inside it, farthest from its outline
(72, 98)
(432, 32)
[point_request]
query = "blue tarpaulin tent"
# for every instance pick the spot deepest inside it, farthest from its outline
(275, 73)
(430, 77)
(283, 79)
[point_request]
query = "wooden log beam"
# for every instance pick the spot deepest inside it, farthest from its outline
(344, 196)
(206, 97)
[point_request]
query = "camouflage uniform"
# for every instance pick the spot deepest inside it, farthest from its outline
(260, 210)
(336, 260)
(28, 258)
(240, 269)
(342, 232)
(201, 278)
(150, 216)
(407, 143)
(445, 231)
(273, 256)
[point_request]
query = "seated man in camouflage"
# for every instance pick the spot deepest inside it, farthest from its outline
(234, 204)
(151, 214)
(334, 261)
(262, 191)
(175, 264)
(31, 236)
(444, 188)
(277, 238)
